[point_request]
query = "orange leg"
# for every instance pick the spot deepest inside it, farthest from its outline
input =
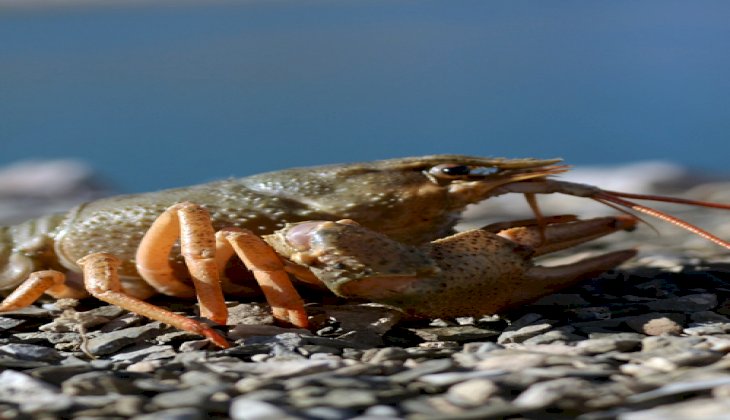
(268, 270)
(191, 223)
(39, 282)
(102, 281)
(206, 254)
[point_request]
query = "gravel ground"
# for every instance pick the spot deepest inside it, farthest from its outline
(644, 342)
(647, 341)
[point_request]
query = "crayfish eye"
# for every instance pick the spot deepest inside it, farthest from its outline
(450, 171)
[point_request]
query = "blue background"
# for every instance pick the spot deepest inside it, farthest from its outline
(167, 94)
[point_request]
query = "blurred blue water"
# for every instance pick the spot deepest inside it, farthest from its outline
(160, 95)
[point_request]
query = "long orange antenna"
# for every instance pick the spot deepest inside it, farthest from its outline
(614, 197)
(670, 199)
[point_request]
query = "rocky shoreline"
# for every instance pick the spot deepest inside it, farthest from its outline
(637, 343)
(649, 340)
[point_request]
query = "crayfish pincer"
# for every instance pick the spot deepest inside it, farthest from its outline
(381, 231)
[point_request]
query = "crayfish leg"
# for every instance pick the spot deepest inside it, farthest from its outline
(51, 282)
(192, 224)
(102, 281)
(268, 270)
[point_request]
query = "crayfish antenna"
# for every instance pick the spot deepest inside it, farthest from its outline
(665, 199)
(628, 213)
(607, 197)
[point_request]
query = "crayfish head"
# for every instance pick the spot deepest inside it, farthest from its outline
(413, 200)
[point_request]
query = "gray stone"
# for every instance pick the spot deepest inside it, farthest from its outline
(472, 392)
(607, 344)
(32, 395)
(708, 317)
(592, 313)
(379, 412)
(50, 337)
(450, 378)
(710, 328)
(425, 368)
(144, 352)
(9, 323)
(377, 356)
(246, 330)
(31, 352)
(370, 317)
(679, 388)
(480, 347)
(250, 314)
(523, 333)
(460, 333)
(688, 303)
(185, 413)
(101, 383)
(111, 342)
(328, 413)
(364, 339)
(562, 300)
(196, 396)
(563, 390)
(667, 345)
(552, 336)
(123, 321)
(697, 409)
(338, 398)
(57, 374)
(243, 408)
